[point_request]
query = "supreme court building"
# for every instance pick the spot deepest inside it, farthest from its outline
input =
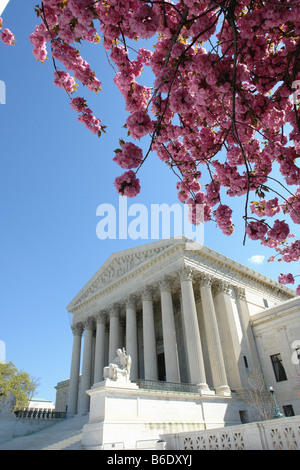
(183, 312)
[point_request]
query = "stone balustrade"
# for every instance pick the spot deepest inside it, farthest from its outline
(276, 434)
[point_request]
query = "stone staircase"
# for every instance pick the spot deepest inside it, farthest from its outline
(65, 435)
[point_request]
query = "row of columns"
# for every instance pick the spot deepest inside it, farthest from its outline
(192, 339)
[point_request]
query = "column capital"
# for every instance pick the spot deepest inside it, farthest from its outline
(77, 329)
(165, 284)
(221, 286)
(147, 293)
(130, 301)
(205, 280)
(114, 310)
(89, 323)
(240, 292)
(186, 273)
(100, 318)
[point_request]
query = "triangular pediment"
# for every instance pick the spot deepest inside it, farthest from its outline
(120, 264)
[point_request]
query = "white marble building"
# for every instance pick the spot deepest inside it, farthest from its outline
(182, 311)
(276, 332)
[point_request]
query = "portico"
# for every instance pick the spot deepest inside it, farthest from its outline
(181, 311)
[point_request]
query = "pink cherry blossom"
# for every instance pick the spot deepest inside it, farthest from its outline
(7, 37)
(129, 156)
(286, 279)
(211, 95)
(223, 218)
(128, 184)
(139, 124)
(65, 81)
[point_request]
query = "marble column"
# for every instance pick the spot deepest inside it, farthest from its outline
(250, 347)
(169, 333)
(266, 371)
(191, 330)
(213, 338)
(131, 336)
(86, 366)
(150, 358)
(75, 369)
(114, 332)
(100, 347)
(230, 338)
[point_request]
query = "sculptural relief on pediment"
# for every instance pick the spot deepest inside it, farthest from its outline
(118, 268)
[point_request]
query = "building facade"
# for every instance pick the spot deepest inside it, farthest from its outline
(277, 337)
(183, 313)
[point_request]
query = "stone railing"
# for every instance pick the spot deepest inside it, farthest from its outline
(276, 434)
(166, 386)
(40, 413)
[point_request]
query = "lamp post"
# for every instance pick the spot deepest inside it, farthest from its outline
(276, 409)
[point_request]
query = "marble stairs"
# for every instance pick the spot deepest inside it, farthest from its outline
(65, 435)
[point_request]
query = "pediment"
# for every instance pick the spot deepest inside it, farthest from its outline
(119, 265)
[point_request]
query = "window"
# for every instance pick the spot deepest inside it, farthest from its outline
(288, 410)
(244, 416)
(266, 304)
(278, 368)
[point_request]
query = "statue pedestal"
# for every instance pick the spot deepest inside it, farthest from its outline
(112, 409)
(124, 416)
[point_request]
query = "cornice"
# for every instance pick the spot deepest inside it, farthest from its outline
(286, 308)
(221, 267)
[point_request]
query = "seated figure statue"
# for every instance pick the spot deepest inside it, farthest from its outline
(120, 367)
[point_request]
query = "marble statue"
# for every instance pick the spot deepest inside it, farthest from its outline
(120, 367)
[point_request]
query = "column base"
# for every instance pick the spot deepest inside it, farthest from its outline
(204, 389)
(223, 390)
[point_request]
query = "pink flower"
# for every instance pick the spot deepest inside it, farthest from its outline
(286, 279)
(129, 157)
(91, 122)
(139, 124)
(128, 184)
(78, 104)
(7, 37)
(145, 22)
(223, 218)
(64, 81)
(266, 208)
(279, 232)
(256, 230)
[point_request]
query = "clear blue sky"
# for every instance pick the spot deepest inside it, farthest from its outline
(54, 174)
